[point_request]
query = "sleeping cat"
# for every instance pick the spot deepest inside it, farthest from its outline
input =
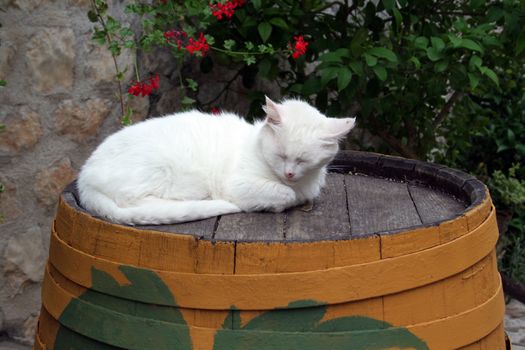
(192, 165)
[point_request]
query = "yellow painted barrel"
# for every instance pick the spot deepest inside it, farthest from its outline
(396, 254)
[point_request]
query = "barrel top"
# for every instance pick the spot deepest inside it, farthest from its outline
(365, 194)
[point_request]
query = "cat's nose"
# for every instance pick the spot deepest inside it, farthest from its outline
(289, 175)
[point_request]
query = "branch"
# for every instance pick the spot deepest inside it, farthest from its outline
(456, 96)
(226, 87)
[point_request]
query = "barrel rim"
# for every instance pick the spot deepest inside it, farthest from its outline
(456, 183)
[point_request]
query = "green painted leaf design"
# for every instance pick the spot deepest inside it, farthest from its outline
(99, 318)
(303, 329)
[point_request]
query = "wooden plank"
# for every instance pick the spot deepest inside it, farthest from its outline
(260, 226)
(260, 258)
(327, 220)
(377, 205)
(201, 228)
(434, 206)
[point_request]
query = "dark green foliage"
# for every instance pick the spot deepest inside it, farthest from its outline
(435, 80)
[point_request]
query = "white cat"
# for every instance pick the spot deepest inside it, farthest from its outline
(192, 165)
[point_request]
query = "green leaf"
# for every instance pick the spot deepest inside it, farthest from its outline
(370, 60)
(344, 75)
(437, 43)
(511, 136)
(311, 86)
(187, 101)
(383, 52)
(265, 30)
(126, 118)
(229, 44)
(357, 68)
(192, 84)
(389, 4)
(473, 79)
(297, 88)
(328, 74)
(126, 31)
(520, 44)
(441, 66)
(265, 67)
(114, 47)
(475, 61)
(99, 36)
(433, 54)
(492, 75)
(380, 71)
(129, 44)
(2, 127)
(342, 52)
(92, 15)
(256, 4)
(112, 25)
(279, 22)
(415, 61)
(456, 42)
(471, 45)
(249, 60)
(520, 148)
(476, 3)
(331, 57)
(3, 83)
(249, 45)
(421, 42)
(398, 17)
(358, 39)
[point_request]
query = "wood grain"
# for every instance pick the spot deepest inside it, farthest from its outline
(433, 206)
(251, 227)
(328, 218)
(377, 205)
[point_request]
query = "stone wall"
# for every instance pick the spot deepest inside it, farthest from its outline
(60, 102)
(58, 105)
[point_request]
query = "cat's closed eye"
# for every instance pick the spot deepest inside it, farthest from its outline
(300, 160)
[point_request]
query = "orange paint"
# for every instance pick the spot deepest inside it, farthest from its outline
(440, 282)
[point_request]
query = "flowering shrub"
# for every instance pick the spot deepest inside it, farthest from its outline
(414, 72)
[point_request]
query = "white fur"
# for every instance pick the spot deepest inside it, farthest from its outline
(192, 165)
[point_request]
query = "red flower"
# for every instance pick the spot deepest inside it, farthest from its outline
(169, 35)
(175, 35)
(144, 88)
(200, 45)
(215, 110)
(226, 9)
(135, 89)
(154, 82)
(300, 47)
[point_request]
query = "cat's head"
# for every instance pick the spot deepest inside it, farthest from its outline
(297, 140)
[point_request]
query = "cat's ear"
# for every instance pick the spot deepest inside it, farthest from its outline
(337, 128)
(272, 112)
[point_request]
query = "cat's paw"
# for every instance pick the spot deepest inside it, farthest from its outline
(284, 198)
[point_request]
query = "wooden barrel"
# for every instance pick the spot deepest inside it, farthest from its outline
(396, 254)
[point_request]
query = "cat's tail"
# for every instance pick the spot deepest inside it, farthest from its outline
(156, 211)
